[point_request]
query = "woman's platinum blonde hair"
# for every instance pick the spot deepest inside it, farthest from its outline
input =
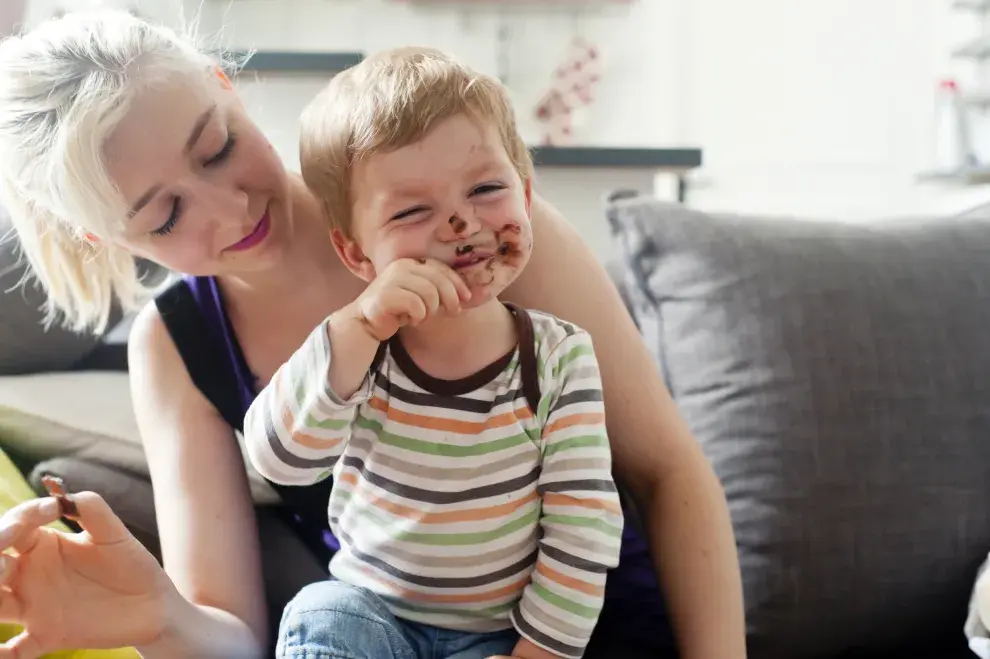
(64, 87)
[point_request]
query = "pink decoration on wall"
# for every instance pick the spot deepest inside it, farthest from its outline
(572, 86)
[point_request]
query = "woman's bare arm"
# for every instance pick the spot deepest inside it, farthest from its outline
(203, 505)
(655, 455)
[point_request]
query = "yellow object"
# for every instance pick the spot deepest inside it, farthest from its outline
(14, 489)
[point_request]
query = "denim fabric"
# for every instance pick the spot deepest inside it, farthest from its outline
(333, 620)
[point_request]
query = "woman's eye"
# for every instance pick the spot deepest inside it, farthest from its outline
(223, 153)
(169, 224)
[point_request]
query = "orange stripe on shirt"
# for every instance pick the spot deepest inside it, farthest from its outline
(298, 436)
(588, 418)
(570, 582)
(450, 517)
(448, 425)
(558, 499)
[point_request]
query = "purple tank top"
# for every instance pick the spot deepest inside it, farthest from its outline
(633, 604)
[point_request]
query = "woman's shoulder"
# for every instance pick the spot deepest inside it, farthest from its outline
(149, 344)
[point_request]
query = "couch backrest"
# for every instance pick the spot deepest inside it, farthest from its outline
(838, 377)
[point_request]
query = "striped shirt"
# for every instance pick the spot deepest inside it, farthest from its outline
(454, 501)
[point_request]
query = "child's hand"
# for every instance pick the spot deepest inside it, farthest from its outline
(408, 292)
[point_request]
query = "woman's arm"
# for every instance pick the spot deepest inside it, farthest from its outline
(203, 506)
(683, 504)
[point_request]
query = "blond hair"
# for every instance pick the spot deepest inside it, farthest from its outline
(388, 101)
(64, 87)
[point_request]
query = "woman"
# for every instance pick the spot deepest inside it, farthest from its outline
(120, 140)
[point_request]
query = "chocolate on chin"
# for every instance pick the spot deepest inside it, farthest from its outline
(56, 488)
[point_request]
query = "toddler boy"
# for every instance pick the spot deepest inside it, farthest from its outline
(473, 497)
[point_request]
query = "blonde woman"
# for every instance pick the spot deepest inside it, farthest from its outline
(119, 139)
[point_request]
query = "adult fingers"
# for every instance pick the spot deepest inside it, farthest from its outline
(8, 568)
(10, 605)
(19, 526)
(22, 646)
(97, 519)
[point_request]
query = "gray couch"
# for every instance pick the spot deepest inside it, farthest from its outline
(838, 377)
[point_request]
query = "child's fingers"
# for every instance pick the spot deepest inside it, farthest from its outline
(449, 274)
(446, 286)
(425, 289)
(410, 305)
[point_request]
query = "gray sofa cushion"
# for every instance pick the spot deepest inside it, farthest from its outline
(838, 377)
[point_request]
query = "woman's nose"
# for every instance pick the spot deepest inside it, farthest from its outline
(228, 204)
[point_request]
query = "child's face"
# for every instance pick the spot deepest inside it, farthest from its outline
(454, 196)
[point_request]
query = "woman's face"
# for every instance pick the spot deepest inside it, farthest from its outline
(207, 193)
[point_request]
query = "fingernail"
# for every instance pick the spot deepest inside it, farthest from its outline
(50, 506)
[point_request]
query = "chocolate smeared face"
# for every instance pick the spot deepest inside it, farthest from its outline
(456, 197)
(489, 265)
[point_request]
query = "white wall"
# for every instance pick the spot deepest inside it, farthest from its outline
(636, 35)
(819, 109)
(635, 109)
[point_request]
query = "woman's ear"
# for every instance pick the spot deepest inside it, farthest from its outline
(352, 255)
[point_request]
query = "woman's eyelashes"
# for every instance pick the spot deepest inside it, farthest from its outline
(484, 189)
(216, 159)
(173, 217)
(223, 153)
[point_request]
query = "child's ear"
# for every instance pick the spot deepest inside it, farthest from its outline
(529, 196)
(353, 257)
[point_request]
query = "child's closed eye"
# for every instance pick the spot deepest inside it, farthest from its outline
(487, 188)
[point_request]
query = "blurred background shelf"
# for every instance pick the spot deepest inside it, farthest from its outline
(972, 5)
(283, 61)
(978, 49)
(978, 175)
(618, 157)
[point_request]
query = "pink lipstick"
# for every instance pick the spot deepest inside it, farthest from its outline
(259, 233)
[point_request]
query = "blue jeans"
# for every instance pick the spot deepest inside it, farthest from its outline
(333, 620)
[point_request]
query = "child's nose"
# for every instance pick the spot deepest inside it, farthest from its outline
(460, 226)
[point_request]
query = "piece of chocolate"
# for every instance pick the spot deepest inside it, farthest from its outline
(56, 488)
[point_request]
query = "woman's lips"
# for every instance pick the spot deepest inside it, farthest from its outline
(259, 233)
